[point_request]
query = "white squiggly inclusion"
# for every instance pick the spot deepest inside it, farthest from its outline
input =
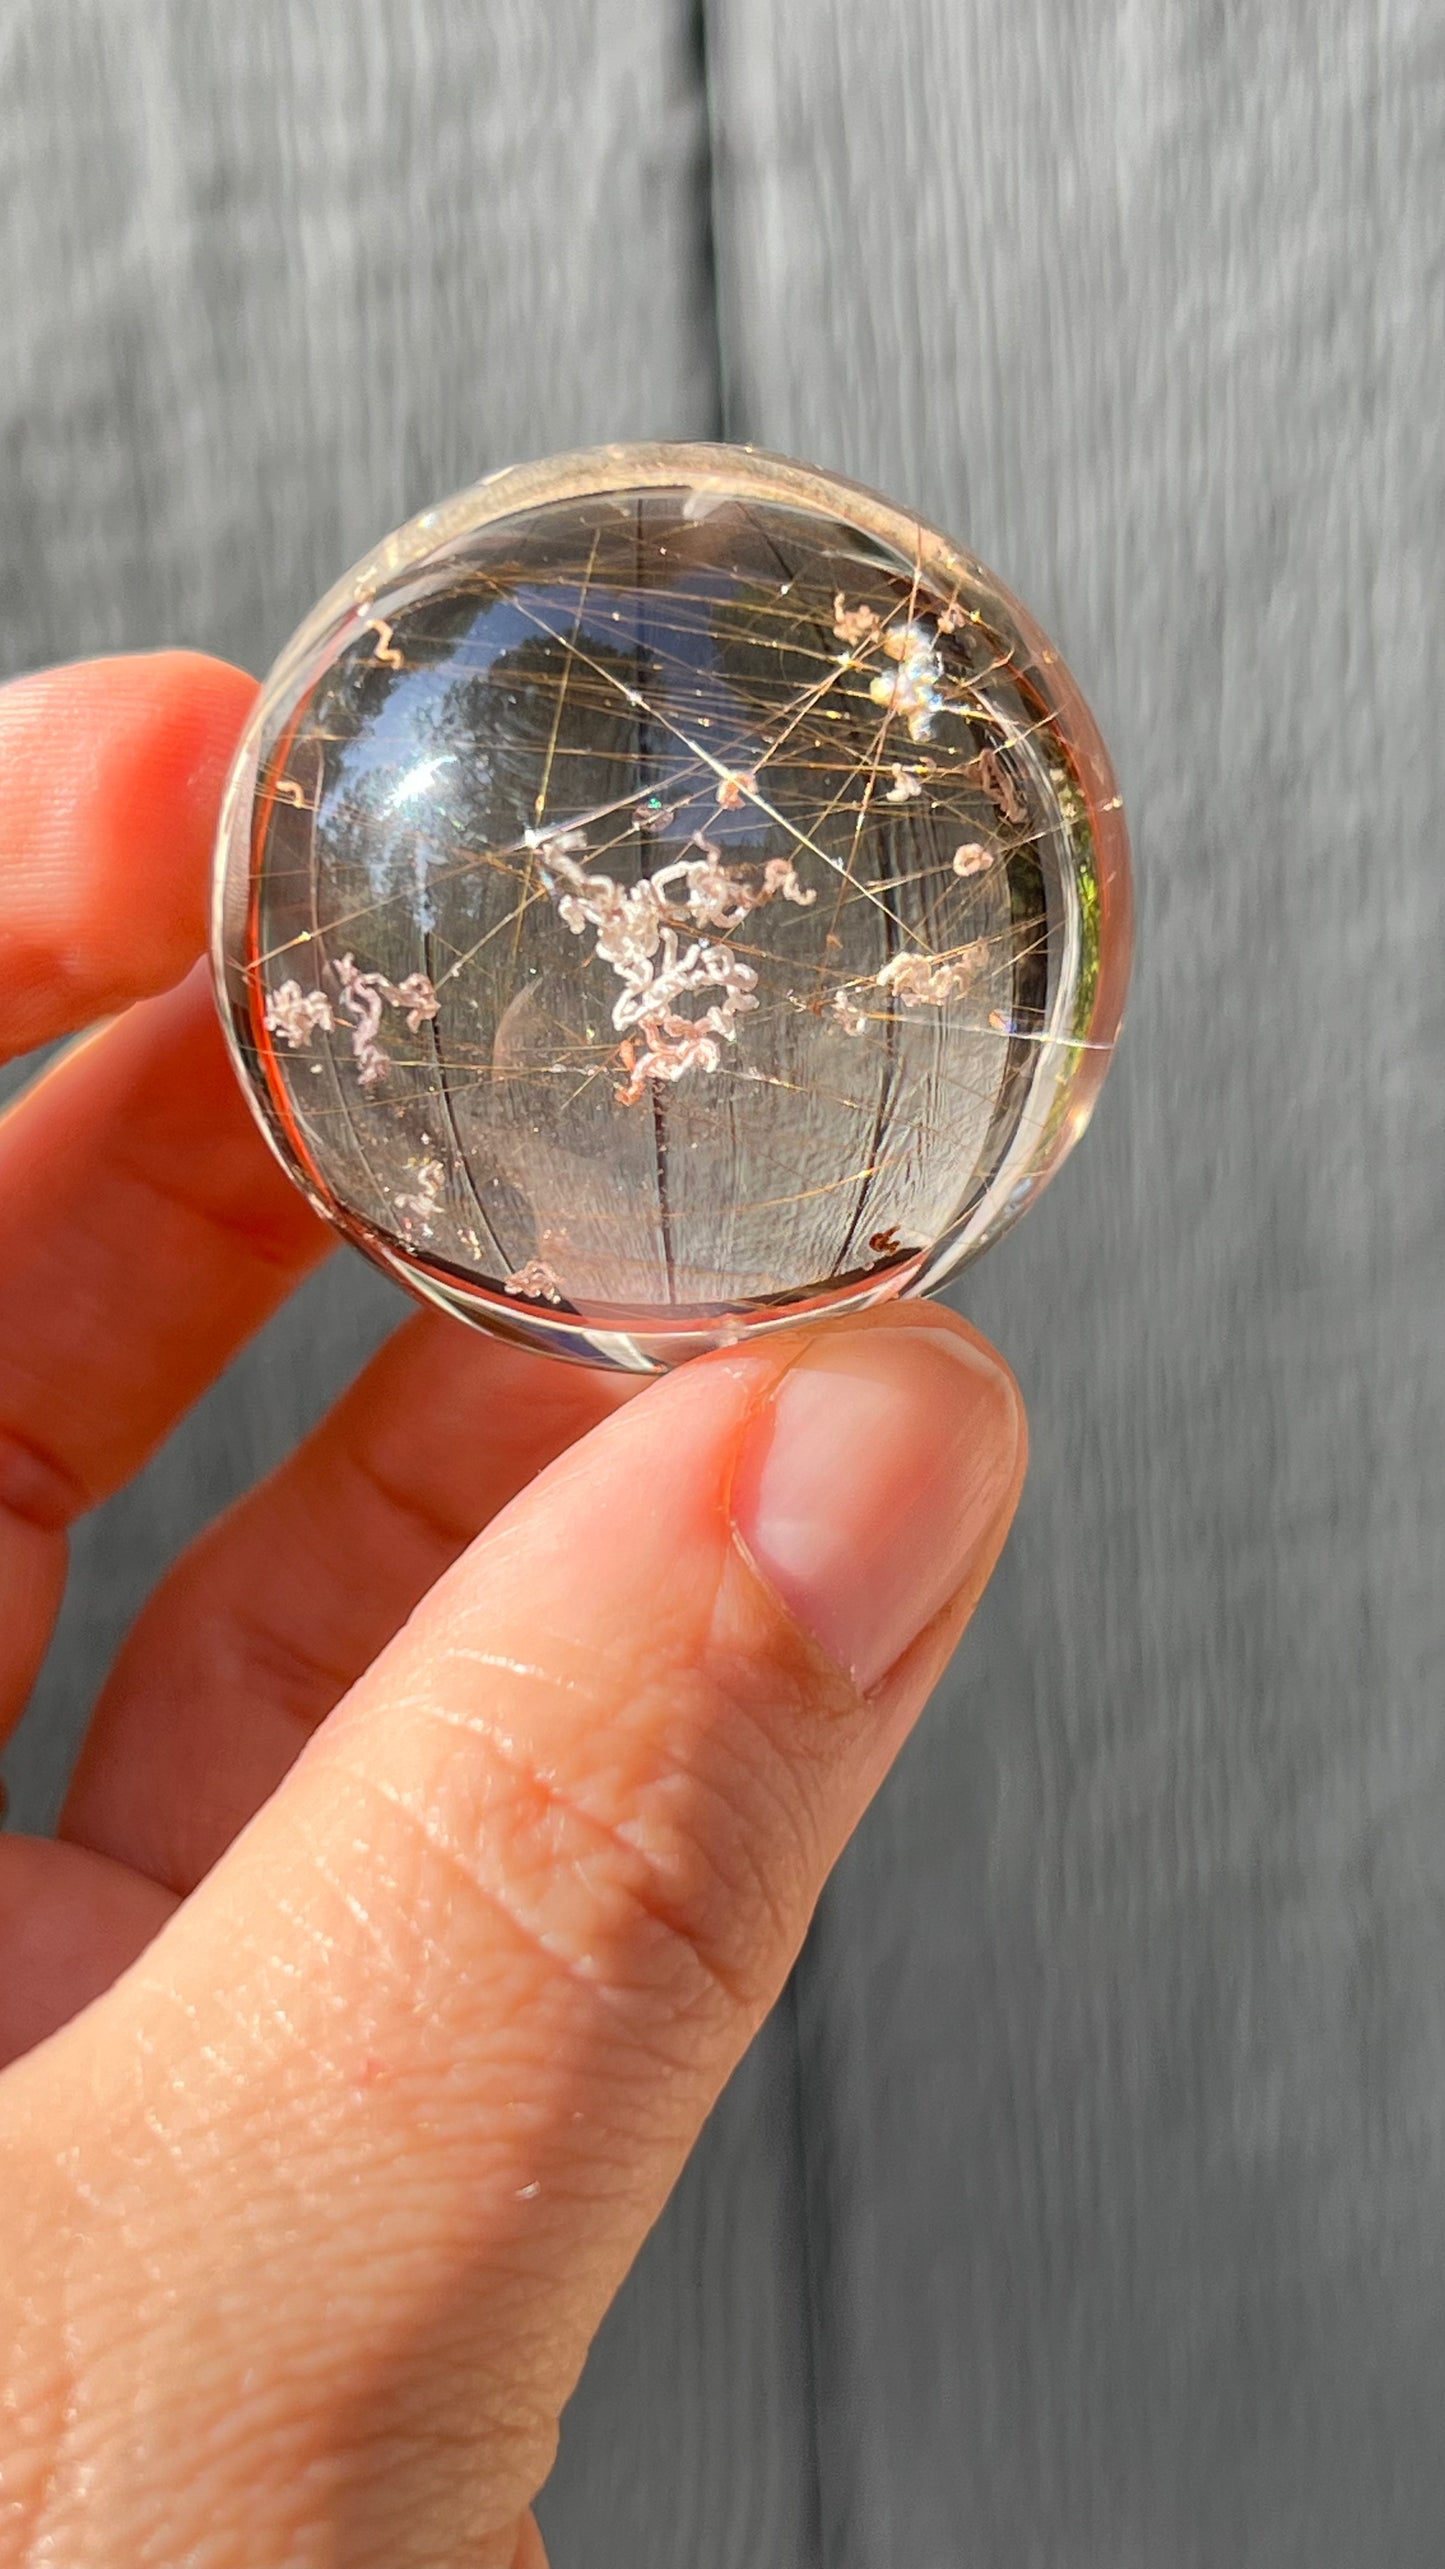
(925, 980)
(911, 690)
(642, 932)
(295, 1014)
(534, 1282)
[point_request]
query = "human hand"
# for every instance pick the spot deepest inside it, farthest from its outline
(425, 1945)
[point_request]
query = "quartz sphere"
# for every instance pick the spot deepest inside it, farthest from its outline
(666, 892)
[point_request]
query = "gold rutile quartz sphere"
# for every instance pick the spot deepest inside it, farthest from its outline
(666, 892)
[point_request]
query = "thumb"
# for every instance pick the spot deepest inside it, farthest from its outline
(424, 2055)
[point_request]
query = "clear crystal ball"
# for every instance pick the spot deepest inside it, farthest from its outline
(666, 892)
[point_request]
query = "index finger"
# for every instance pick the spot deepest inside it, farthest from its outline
(110, 776)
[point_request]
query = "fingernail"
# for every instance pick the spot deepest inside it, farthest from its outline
(880, 1467)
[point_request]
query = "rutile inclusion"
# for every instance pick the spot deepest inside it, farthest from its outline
(665, 892)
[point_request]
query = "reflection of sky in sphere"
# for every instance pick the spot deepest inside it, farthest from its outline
(419, 794)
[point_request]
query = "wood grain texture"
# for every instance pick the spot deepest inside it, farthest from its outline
(281, 275)
(275, 278)
(1124, 2024)
(691, 2437)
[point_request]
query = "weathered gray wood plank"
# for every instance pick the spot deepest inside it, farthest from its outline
(1124, 2027)
(691, 2438)
(275, 277)
(278, 276)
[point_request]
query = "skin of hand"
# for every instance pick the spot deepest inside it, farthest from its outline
(454, 1811)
